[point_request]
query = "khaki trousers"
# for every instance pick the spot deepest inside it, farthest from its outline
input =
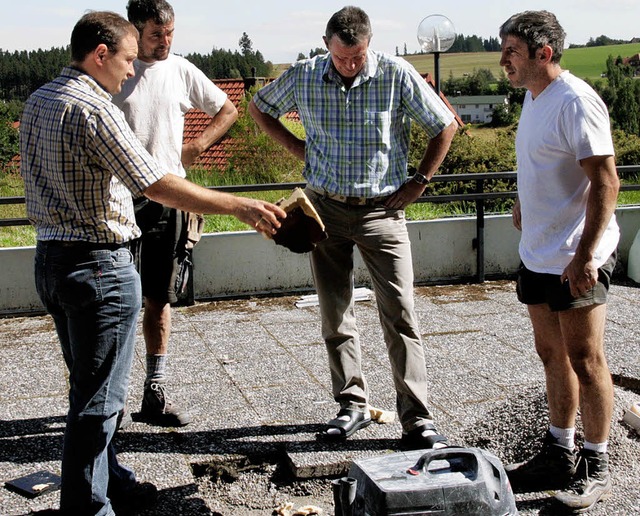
(383, 241)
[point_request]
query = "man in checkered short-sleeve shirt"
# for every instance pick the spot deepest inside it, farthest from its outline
(81, 163)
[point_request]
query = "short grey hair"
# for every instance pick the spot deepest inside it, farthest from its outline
(536, 29)
(140, 12)
(351, 24)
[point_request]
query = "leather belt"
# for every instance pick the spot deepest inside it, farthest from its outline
(352, 201)
(79, 245)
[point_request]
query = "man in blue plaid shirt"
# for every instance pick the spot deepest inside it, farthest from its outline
(355, 105)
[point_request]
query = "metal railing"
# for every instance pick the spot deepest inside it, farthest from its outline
(479, 197)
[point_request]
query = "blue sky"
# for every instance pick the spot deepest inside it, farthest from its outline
(281, 29)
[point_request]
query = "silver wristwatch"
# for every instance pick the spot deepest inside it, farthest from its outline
(421, 179)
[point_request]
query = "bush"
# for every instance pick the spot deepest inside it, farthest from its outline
(9, 137)
(257, 156)
(627, 148)
(489, 151)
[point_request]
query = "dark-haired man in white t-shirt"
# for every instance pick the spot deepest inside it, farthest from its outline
(154, 101)
(567, 193)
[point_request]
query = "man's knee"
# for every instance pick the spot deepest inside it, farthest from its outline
(590, 368)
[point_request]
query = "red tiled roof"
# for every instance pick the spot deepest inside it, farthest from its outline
(195, 121)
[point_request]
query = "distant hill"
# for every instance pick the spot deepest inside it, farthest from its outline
(583, 62)
(587, 62)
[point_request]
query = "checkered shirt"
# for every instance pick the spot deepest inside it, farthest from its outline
(81, 163)
(357, 139)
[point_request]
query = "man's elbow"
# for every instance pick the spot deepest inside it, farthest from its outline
(230, 111)
(234, 113)
(254, 111)
(451, 130)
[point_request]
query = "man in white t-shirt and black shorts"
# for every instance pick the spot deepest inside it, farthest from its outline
(567, 194)
(154, 102)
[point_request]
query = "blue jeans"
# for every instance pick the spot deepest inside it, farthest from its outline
(94, 297)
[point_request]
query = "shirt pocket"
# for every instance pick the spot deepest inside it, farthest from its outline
(377, 130)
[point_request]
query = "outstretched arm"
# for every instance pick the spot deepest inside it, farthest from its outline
(184, 195)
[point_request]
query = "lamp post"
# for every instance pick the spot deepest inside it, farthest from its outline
(436, 34)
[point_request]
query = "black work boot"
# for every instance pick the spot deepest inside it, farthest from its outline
(140, 496)
(158, 409)
(590, 484)
(552, 468)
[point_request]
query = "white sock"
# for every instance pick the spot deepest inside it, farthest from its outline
(596, 447)
(564, 436)
(435, 445)
(156, 369)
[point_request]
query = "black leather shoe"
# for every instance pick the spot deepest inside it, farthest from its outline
(423, 437)
(345, 424)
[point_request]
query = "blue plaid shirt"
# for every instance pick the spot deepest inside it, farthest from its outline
(357, 139)
(81, 163)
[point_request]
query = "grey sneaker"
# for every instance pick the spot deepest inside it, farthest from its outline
(552, 468)
(124, 420)
(158, 409)
(590, 484)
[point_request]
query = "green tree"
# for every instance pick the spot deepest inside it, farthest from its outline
(318, 51)
(625, 110)
(478, 82)
(9, 137)
(621, 93)
(505, 115)
(22, 72)
(246, 45)
(225, 64)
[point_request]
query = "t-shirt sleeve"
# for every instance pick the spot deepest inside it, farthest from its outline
(203, 93)
(587, 128)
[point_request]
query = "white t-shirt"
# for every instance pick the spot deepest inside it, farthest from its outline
(156, 99)
(566, 123)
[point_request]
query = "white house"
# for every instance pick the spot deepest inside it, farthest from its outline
(476, 109)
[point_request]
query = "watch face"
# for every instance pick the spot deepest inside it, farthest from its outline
(420, 179)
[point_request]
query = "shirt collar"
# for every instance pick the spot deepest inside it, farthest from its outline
(75, 73)
(369, 70)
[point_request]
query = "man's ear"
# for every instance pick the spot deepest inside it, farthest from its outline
(326, 41)
(100, 54)
(546, 53)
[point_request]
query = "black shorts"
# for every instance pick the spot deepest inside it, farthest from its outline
(534, 288)
(160, 252)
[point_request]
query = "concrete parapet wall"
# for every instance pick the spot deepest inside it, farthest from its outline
(245, 263)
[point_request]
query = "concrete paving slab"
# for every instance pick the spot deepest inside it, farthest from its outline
(255, 374)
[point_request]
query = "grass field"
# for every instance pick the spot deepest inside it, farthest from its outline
(583, 62)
